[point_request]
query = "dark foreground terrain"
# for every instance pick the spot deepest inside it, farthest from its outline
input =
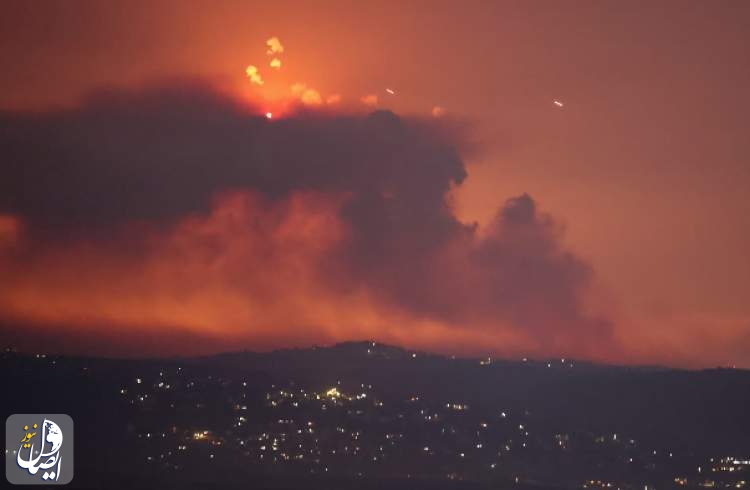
(366, 415)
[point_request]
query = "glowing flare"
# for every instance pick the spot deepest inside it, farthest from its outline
(311, 97)
(369, 100)
(254, 75)
(390, 91)
(307, 95)
(275, 63)
(558, 103)
(269, 115)
(274, 46)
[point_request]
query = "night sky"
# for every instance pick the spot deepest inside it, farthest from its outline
(512, 179)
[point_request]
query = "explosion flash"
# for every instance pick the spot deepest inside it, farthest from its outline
(254, 75)
(275, 63)
(274, 46)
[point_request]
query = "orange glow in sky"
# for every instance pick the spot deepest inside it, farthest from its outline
(626, 130)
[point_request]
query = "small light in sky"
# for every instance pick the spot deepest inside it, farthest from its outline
(269, 115)
(390, 91)
(558, 103)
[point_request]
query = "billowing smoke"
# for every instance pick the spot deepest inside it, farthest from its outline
(180, 207)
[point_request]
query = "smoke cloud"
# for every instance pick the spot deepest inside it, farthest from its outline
(179, 208)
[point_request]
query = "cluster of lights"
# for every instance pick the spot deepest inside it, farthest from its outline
(280, 444)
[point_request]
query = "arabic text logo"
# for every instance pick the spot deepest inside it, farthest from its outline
(39, 458)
